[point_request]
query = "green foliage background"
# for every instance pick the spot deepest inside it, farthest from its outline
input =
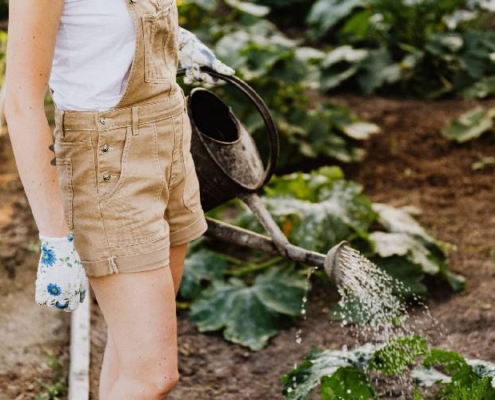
(427, 48)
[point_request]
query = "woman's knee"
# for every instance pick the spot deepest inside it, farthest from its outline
(166, 383)
(155, 382)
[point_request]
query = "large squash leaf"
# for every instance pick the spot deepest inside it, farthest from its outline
(344, 214)
(304, 186)
(348, 383)
(470, 125)
(200, 267)
(400, 220)
(326, 13)
(401, 244)
(408, 252)
(249, 8)
(299, 383)
(340, 65)
(250, 315)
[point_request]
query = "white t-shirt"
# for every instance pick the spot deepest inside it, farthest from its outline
(93, 54)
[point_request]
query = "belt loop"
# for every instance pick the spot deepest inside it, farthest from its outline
(59, 121)
(135, 120)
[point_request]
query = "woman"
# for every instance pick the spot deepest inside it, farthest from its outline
(123, 201)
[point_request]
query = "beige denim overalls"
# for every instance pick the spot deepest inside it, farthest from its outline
(126, 175)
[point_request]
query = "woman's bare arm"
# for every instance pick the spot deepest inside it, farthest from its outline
(33, 26)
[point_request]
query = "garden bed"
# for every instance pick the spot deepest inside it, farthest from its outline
(409, 164)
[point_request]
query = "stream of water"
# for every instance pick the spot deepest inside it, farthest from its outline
(304, 303)
(371, 311)
(369, 297)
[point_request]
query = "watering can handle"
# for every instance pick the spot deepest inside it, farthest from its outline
(250, 93)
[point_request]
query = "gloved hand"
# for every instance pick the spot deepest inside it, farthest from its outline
(61, 280)
(193, 54)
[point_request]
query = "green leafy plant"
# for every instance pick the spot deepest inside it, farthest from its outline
(56, 388)
(344, 374)
(318, 210)
(251, 298)
(284, 74)
(250, 314)
(325, 14)
(281, 72)
(443, 46)
(471, 125)
(482, 163)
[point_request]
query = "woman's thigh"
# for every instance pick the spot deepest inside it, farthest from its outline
(139, 309)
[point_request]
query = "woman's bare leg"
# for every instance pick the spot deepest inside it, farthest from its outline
(139, 309)
(110, 366)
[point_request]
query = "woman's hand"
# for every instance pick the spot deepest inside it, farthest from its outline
(193, 54)
(61, 281)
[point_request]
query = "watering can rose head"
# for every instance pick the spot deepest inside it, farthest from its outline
(337, 258)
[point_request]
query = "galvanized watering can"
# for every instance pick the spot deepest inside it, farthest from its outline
(229, 165)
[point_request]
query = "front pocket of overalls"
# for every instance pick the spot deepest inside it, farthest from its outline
(75, 171)
(160, 31)
(132, 209)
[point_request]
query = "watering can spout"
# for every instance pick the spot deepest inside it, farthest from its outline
(335, 260)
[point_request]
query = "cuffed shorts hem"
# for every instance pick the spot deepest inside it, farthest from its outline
(128, 264)
(190, 232)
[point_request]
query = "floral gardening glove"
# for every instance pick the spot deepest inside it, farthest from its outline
(193, 54)
(61, 280)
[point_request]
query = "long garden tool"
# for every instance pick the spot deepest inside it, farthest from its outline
(229, 165)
